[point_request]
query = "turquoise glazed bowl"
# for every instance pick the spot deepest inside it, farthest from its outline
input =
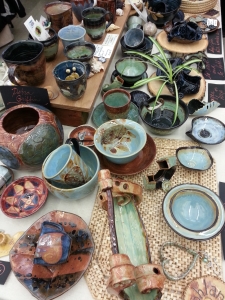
(91, 160)
(120, 140)
(194, 211)
(82, 51)
(131, 69)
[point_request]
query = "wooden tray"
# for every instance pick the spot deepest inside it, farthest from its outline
(75, 113)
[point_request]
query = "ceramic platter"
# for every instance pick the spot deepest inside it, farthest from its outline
(206, 23)
(23, 197)
(99, 115)
(49, 282)
(141, 162)
(194, 211)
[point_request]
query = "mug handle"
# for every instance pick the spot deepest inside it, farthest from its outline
(88, 69)
(74, 142)
(11, 71)
(110, 18)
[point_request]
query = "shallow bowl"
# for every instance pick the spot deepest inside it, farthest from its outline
(84, 134)
(82, 51)
(120, 140)
(146, 47)
(90, 159)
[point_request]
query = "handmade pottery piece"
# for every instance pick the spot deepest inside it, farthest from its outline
(6, 242)
(149, 29)
(109, 5)
(207, 130)
(131, 69)
(99, 115)
(50, 45)
(160, 122)
(35, 132)
(23, 197)
(72, 87)
(194, 158)
(79, 5)
(26, 62)
(140, 163)
(120, 140)
(134, 22)
(116, 84)
(146, 47)
(134, 38)
(91, 160)
(139, 97)
(201, 108)
(161, 180)
(94, 19)
(206, 23)
(84, 135)
(160, 12)
(71, 33)
(194, 211)
(81, 51)
(6, 177)
(59, 14)
(40, 281)
(117, 103)
(126, 85)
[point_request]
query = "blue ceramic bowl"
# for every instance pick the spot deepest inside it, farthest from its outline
(90, 159)
(71, 33)
(120, 140)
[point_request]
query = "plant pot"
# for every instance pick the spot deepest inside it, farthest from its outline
(161, 122)
(28, 133)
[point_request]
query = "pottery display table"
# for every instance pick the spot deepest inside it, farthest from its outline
(74, 113)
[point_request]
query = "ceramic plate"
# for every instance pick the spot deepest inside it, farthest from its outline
(45, 282)
(194, 211)
(194, 158)
(126, 85)
(23, 197)
(84, 134)
(99, 115)
(141, 162)
(206, 23)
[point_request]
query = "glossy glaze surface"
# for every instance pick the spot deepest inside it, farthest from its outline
(84, 134)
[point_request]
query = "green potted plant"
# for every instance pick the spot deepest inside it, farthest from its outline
(170, 74)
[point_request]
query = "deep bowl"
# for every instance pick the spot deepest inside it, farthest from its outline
(134, 38)
(82, 51)
(131, 69)
(71, 33)
(161, 121)
(120, 140)
(90, 159)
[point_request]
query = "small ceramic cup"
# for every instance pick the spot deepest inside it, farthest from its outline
(65, 168)
(73, 88)
(94, 19)
(71, 33)
(117, 103)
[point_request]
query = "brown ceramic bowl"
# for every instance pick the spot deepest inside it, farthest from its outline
(117, 103)
(84, 134)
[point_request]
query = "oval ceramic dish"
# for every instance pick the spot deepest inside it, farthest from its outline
(207, 130)
(206, 23)
(195, 158)
(194, 211)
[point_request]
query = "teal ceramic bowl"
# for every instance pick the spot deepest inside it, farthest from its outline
(131, 69)
(90, 159)
(194, 211)
(120, 140)
(82, 51)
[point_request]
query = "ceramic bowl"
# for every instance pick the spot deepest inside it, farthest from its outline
(194, 158)
(71, 33)
(134, 22)
(146, 47)
(134, 38)
(194, 211)
(201, 108)
(84, 134)
(131, 69)
(90, 159)
(207, 130)
(161, 121)
(82, 51)
(120, 140)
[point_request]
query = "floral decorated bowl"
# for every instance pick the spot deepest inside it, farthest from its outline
(120, 140)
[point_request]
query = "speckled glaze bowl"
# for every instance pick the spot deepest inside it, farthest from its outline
(91, 160)
(120, 140)
(82, 51)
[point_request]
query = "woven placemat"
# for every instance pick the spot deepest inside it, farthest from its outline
(216, 7)
(157, 230)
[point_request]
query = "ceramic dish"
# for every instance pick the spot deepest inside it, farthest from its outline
(99, 115)
(194, 211)
(141, 162)
(146, 48)
(49, 282)
(126, 85)
(139, 97)
(23, 197)
(6, 177)
(84, 134)
(206, 23)
(194, 158)
(207, 130)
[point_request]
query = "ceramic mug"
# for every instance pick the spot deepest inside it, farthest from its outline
(26, 62)
(73, 88)
(65, 168)
(94, 19)
(117, 103)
